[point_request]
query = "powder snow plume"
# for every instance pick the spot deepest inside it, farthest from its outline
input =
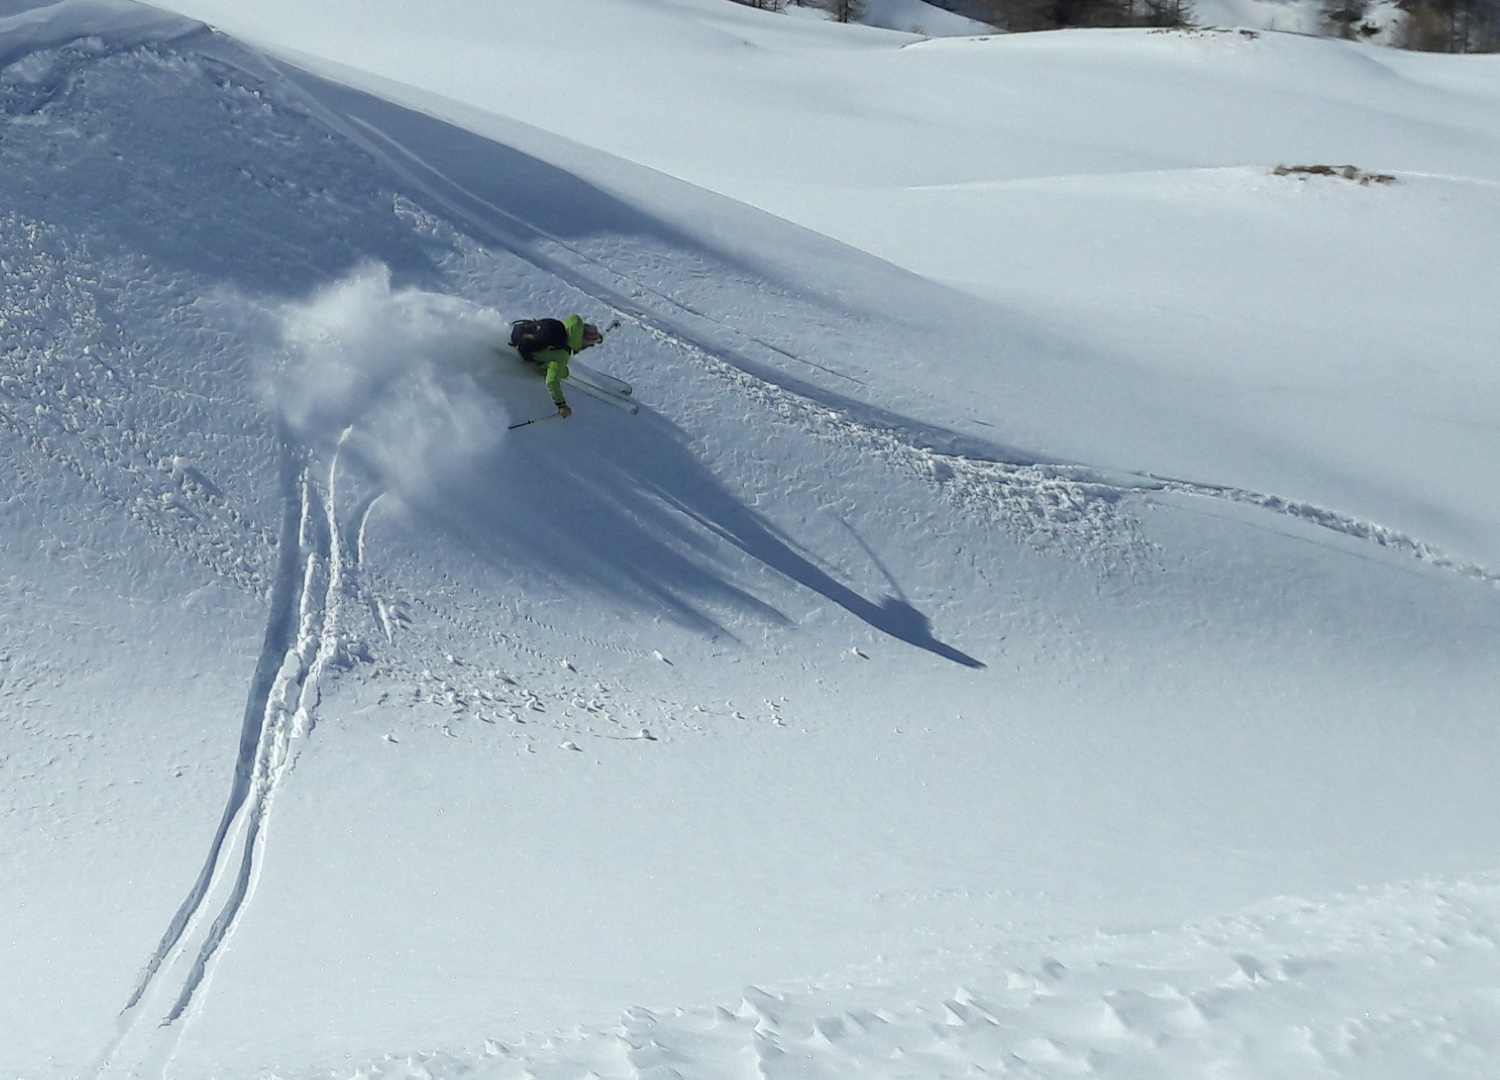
(413, 373)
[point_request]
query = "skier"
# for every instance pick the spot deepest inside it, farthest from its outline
(550, 344)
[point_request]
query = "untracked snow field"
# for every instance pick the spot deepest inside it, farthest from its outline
(1040, 622)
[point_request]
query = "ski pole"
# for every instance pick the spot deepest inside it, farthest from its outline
(537, 420)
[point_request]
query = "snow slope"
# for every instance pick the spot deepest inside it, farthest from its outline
(996, 165)
(838, 714)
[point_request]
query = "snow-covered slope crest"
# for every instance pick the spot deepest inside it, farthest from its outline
(340, 722)
(30, 27)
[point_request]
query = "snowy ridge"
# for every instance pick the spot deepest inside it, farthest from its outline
(1379, 535)
(1053, 501)
(94, 27)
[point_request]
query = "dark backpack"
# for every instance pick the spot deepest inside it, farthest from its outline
(529, 336)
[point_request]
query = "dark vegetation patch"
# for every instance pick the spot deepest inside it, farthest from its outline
(1200, 31)
(1346, 172)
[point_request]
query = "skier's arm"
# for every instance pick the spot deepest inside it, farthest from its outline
(557, 371)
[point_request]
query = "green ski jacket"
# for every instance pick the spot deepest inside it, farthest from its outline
(556, 360)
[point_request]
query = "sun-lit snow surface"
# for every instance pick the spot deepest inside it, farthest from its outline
(1109, 190)
(839, 714)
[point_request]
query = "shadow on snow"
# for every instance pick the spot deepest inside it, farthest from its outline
(620, 505)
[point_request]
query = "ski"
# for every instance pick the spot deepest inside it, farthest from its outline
(595, 384)
(584, 373)
(619, 401)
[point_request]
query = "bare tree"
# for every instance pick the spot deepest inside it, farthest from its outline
(1021, 15)
(846, 11)
(1345, 18)
(1163, 13)
(1458, 26)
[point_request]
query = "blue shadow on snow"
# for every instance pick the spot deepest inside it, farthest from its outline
(620, 505)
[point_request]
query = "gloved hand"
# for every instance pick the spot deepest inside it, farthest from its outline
(564, 411)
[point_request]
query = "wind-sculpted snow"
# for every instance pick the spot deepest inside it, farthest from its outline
(1233, 997)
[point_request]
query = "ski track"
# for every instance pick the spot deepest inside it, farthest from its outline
(1379, 535)
(301, 645)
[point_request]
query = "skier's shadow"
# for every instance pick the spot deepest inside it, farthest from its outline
(620, 504)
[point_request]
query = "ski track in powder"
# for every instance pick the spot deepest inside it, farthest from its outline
(301, 644)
